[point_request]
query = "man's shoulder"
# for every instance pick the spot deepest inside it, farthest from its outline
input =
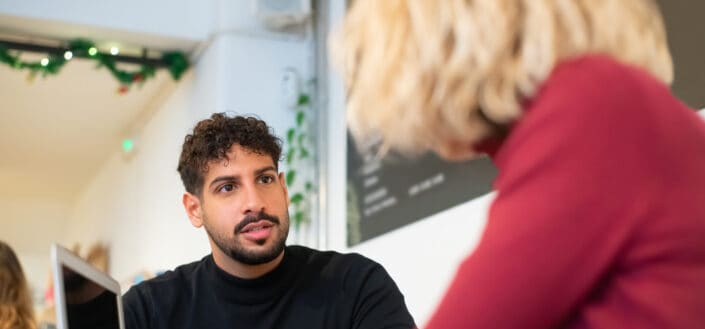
(167, 292)
(359, 286)
(328, 257)
(178, 277)
(345, 268)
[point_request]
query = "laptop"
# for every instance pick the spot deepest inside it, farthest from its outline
(84, 296)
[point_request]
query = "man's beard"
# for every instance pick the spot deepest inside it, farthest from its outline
(231, 246)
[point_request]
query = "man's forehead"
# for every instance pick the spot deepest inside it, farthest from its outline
(237, 152)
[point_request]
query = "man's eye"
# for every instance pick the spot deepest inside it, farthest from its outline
(226, 188)
(266, 179)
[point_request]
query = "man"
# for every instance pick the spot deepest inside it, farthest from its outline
(229, 167)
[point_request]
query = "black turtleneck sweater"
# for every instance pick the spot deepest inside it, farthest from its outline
(308, 290)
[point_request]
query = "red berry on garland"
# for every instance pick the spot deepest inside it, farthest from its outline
(122, 90)
(137, 77)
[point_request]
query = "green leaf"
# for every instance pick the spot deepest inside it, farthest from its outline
(290, 177)
(177, 62)
(300, 115)
(290, 156)
(297, 198)
(308, 186)
(80, 46)
(304, 154)
(303, 100)
(300, 139)
(298, 218)
(290, 135)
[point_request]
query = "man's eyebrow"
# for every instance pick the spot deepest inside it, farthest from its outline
(265, 169)
(229, 178)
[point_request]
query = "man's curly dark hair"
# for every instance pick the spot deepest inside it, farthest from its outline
(212, 138)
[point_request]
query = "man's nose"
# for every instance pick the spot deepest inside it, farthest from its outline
(254, 201)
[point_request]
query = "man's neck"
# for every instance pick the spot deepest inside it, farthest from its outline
(243, 271)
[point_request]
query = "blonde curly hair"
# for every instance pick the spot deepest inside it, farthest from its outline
(16, 310)
(423, 74)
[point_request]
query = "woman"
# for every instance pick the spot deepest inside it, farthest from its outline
(599, 218)
(15, 302)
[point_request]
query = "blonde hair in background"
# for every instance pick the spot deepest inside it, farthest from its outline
(97, 256)
(424, 73)
(16, 310)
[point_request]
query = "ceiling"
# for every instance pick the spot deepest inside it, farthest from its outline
(57, 131)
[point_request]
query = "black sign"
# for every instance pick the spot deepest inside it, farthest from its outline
(388, 193)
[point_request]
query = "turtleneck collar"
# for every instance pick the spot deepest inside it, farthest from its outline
(251, 291)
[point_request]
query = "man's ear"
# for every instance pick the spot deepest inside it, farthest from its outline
(282, 180)
(192, 205)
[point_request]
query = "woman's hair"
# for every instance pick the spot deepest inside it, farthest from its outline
(429, 72)
(16, 310)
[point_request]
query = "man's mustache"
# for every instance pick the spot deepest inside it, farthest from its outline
(249, 219)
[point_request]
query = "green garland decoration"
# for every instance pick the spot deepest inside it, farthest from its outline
(177, 64)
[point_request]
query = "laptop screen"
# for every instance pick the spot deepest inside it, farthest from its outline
(85, 296)
(88, 304)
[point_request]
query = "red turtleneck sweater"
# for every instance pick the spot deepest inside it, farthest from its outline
(599, 220)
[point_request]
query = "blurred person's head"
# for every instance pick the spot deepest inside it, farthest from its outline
(16, 310)
(229, 167)
(446, 75)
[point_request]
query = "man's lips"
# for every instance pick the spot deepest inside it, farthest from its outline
(256, 226)
(258, 231)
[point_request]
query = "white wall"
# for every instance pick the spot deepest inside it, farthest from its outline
(421, 257)
(133, 204)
